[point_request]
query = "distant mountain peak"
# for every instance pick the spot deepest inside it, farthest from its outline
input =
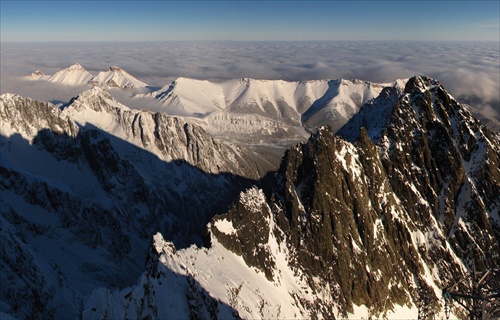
(116, 77)
(72, 75)
(75, 66)
(115, 69)
(36, 75)
(75, 74)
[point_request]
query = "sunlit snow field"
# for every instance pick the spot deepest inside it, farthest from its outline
(464, 68)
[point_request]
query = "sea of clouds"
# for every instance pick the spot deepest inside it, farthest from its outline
(466, 69)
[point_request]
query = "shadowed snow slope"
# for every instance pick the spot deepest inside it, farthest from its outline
(83, 188)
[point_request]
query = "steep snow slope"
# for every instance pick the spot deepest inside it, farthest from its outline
(116, 77)
(342, 100)
(191, 97)
(72, 75)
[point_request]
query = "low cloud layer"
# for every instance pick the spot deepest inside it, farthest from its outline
(465, 69)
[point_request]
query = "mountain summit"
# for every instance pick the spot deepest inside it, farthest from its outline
(116, 77)
(72, 75)
(75, 74)
(36, 75)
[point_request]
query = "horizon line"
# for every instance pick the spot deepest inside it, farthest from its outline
(237, 41)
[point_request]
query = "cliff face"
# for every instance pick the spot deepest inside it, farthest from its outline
(393, 211)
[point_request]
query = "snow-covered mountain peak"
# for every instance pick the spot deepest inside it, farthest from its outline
(252, 81)
(95, 99)
(75, 74)
(95, 92)
(75, 66)
(187, 80)
(115, 69)
(72, 75)
(185, 85)
(116, 77)
(36, 75)
(420, 83)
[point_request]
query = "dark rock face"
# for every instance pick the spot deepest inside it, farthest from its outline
(250, 217)
(334, 199)
(389, 204)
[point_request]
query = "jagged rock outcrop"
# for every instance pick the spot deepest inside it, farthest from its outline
(393, 212)
(449, 158)
(245, 228)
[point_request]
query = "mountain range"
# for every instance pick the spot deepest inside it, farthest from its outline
(75, 74)
(246, 199)
(245, 111)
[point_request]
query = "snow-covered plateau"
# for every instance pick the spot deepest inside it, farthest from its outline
(246, 198)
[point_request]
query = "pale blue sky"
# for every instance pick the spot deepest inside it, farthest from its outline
(249, 20)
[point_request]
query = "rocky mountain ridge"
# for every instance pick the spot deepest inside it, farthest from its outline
(373, 224)
(367, 223)
(244, 111)
(266, 110)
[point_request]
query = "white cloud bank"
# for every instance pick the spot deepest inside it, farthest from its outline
(464, 68)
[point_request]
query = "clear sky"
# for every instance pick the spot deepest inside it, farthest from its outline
(249, 20)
